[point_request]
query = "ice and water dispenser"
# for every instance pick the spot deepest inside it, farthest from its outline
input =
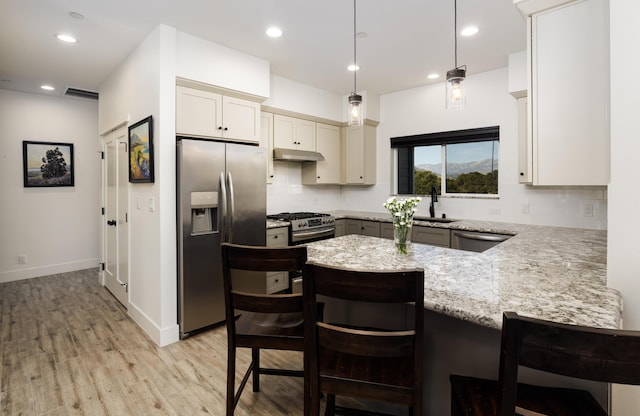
(204, 212)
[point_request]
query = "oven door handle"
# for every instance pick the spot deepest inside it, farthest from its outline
(311, 234)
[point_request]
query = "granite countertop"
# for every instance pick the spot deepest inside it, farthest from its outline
(552, 273)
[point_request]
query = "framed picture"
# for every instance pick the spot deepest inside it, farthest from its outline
(141, 151)
(47, 164)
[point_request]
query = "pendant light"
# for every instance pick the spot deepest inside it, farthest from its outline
(355, 100)
(456, 97)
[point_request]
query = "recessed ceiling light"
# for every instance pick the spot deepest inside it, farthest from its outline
(274, 32)
(47, 87)
(469, 31)
(433, 76)
(353, 67)
(66, 38)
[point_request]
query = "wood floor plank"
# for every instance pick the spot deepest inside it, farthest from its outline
(78, 391)
(112, 394)
(15, 369)
(47, 394)
(16, 401)
(150, 401)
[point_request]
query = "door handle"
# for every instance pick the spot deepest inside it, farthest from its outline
(112, 222)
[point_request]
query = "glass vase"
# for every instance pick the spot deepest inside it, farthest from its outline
(402, 238)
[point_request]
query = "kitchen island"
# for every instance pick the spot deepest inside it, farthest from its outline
(550, 273)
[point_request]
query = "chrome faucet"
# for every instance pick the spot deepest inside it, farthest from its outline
(434, 199)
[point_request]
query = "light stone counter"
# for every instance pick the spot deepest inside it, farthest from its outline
(551, 273)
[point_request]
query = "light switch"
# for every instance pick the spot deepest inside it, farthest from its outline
(152, 204)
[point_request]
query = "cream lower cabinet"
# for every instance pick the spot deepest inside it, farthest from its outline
(419, 234)
(362, 227)
(277, 281)
(326, 172)
(203, 113)
(261, 282)
(569, 94)
(359, 155)
(341, 227)
(293, 133)
(386, 230)
(431, 235)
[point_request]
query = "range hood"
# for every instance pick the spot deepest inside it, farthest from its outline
(293, 155)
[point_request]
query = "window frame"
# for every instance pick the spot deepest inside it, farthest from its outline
(404, 151)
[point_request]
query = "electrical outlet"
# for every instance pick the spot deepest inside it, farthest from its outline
(587, 210)
(22, 259)
(525, 208)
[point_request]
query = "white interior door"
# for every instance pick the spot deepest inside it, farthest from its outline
(115, 218)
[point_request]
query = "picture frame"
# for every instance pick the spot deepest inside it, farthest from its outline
(141, 166)
(47, 164)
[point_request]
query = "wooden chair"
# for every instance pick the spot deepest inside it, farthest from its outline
(265, 321)
(366, 363)
(603, 355)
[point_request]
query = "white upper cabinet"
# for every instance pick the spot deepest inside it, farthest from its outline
(328, 170)
(569, 95)
(294, 133)
(240, 119)
(203, 113)
(359, 155)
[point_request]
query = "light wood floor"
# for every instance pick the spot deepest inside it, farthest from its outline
(68, 348)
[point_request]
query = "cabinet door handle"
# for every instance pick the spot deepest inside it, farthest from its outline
(219, 127)
(226, 128)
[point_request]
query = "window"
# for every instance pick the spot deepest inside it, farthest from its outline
(467, 159)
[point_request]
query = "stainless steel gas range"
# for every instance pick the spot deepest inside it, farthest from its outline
(306, 227)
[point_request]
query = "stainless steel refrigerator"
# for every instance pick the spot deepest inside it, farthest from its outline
(221, 196)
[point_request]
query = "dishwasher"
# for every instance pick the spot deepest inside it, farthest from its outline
(475, 240)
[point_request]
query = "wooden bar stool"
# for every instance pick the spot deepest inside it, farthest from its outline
(265, 321)
(366, 363)
(604, 355)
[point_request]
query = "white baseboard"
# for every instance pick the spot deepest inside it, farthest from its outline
(161, 336)
(30, 273)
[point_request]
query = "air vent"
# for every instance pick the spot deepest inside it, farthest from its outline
(74, 92)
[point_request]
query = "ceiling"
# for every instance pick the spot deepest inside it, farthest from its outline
(406, 39)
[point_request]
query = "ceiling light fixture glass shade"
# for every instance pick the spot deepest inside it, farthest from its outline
(355, 101)
(456, 98)
(456, 94)
(355, 109)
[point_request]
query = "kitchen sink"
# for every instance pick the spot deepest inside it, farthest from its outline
(433, 219)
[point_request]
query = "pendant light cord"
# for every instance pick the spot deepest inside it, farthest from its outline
(455, 31)
(355, 65)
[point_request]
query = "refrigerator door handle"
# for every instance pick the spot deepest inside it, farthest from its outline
(222, 209)
(231, 207)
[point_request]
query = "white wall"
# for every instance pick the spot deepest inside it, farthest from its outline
(301, 98)
(421, 110)
(214, 64)
(56, 227)
(623, 261)
(143, 85)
